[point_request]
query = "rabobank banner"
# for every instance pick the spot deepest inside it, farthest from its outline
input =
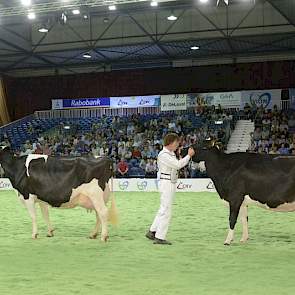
(59, 104)
(135, 101)
(265, 98)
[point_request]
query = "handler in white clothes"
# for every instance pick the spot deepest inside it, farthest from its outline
(168, 171)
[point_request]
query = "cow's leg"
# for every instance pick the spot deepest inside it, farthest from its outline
(102, 211)
(233, 215)
(45, 214)
(30, 204)
(244, 219)
(94, 234)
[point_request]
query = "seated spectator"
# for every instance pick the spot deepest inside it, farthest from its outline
(142, 164)
(284, 149)
(136, 153)
(273, 150)
(121, 150)
(128, 154)
(257, 134)
(122, 169)
(284, 126)
(291, 121)
(265, 133)
(38, 149)
(95, 150)
(247, 109)
(150, 168)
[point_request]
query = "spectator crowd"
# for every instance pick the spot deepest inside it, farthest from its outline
(132, 142)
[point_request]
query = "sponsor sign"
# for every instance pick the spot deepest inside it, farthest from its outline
(5, 184)
(225, 99)
(152, 185)
(174, 102)
(265, 98)
(135, 101)
(59, 104)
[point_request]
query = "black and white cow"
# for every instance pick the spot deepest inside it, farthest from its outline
(241, 179)
(62, 182)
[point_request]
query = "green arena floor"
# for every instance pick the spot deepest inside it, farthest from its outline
(196, 263)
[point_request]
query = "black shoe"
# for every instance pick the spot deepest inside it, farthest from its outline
(161, 242)
(150, 235)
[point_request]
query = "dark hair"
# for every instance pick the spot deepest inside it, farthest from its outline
(170, 138)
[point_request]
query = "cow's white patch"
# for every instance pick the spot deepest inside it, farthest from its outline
(34, 157)
(80, 195)
(286, 207)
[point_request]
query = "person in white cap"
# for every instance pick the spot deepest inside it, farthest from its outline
(168, 166)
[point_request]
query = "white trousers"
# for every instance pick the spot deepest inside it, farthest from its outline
(162, 219)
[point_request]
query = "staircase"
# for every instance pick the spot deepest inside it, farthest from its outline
(240, 139)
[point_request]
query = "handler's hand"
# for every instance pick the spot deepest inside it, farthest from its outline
(191, 152)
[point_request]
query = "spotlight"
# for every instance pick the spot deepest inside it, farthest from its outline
(85, 16)
(31, 15)
(43, 29)
(154, 3)
(87, 55)
(112, 7)
(203, 1)
(26, 2)
(172, 17)
(195, 48)
(76, 11)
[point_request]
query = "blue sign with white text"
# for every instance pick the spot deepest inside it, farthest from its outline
(58, 104)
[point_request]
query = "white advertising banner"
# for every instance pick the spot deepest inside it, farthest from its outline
(151, 185)
(174, 102)
(225, 99)
(5, 184)
(135, 101)
(266, 98)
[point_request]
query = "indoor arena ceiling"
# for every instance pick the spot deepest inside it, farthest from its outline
(76, 36)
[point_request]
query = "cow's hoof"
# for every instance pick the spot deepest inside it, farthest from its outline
(34, 236)
(226, 244)
(105, 239)
(50, 233)
(93, 236)
(244, 240)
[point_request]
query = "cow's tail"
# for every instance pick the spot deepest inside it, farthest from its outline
(113, 212)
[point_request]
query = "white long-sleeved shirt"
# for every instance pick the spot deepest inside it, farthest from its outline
(169, 165)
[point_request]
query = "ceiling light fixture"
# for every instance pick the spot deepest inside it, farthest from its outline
(43, 30)
(31, 15)
(154, 3)
(76, 11)
(87, 55)
(26, 2)
(172, 17)
(112, 7)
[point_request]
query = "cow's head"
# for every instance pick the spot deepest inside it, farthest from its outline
(4, 152)
(203, 151)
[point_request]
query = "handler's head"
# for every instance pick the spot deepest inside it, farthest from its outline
(171, 141)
